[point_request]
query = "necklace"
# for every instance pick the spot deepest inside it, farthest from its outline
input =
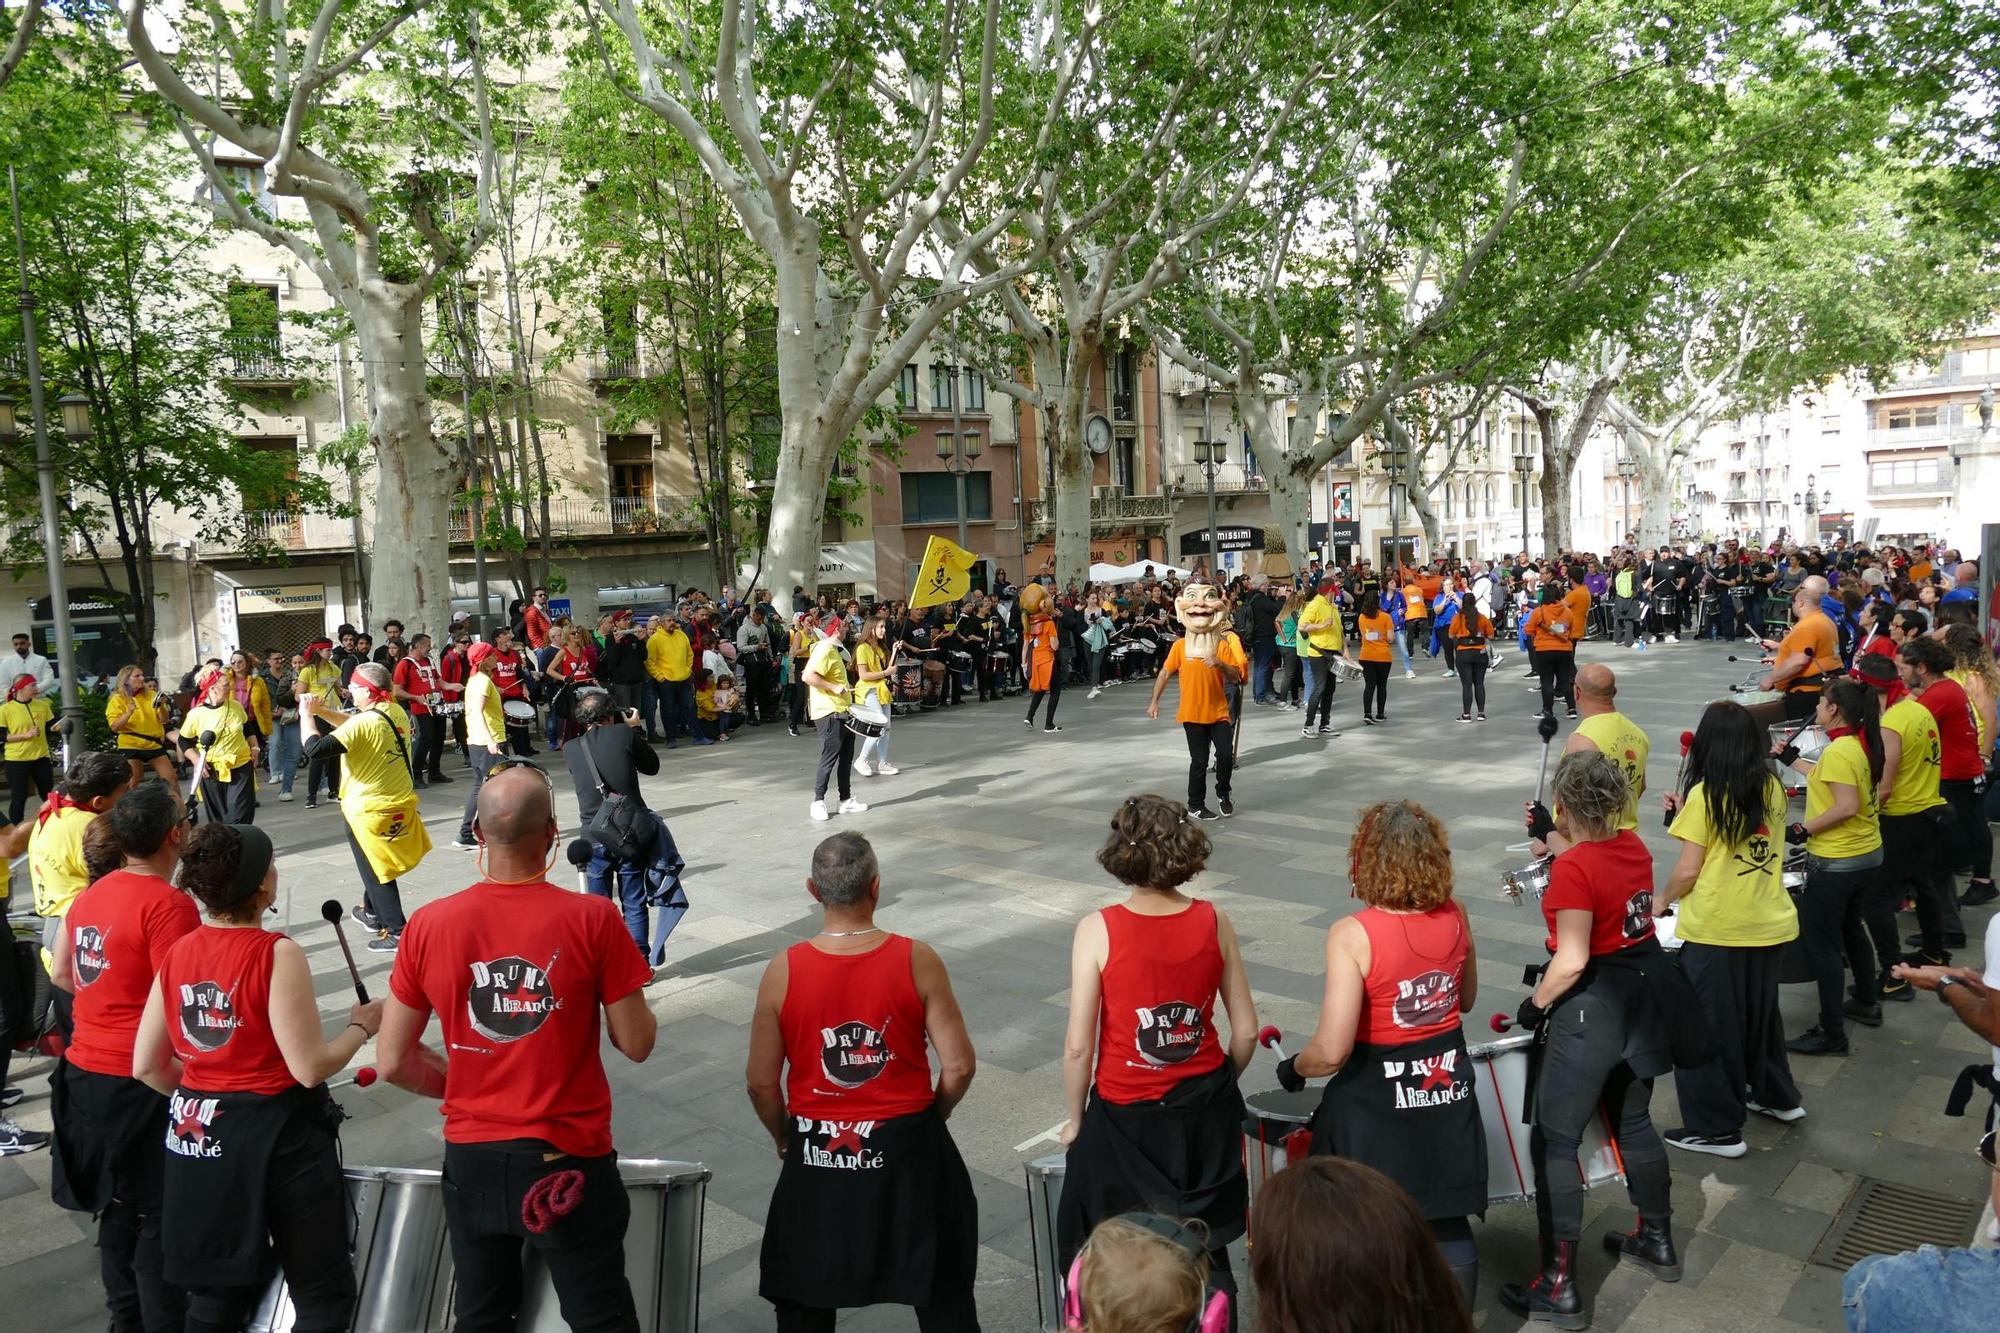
(843, 934)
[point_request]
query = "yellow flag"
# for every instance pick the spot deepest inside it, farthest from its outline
(945, 575)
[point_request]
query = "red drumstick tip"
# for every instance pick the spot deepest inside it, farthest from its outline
(1500, 1022)
(1268, 1036)
(1687, 743)
(364, 1076)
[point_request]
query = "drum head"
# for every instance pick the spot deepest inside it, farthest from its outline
(1291, 1108)
(518, 710)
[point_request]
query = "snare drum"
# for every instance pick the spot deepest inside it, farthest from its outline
(402, 1259)
(1344, 669)
(662, 1251)
(1045, 1187)
(518, 711)
(960, 661)
(867, 721)
(1501, 1085)
(450, 710)
(1531, 880)
(1277, 1133)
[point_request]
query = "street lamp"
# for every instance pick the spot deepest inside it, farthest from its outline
(1209, 456)
(958, 450)
(1395, 461)
(1524, 467)
(1628, 468)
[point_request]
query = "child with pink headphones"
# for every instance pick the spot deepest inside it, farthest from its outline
(1141, 1273)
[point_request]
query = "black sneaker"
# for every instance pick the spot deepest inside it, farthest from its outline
(1465, 717)
(1951, 941)
(14, 1140)
(366, 917)
(1816, 1040)
(1228, 807)
(1202, 812)
(1715, 1145)
(1922, 959)
(1978, 895)
(1898, 990)
(1481, 717)
(385, 942)
(1367, 719)
(11, 1097)
(312, 802)
(1868, 1015)
(437, 778)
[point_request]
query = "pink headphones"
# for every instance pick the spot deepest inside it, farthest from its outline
(1213, 1317)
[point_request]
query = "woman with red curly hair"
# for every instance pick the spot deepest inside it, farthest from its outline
(1398, 975)
(1163, 1131)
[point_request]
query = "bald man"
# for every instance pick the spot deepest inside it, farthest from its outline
(1965, 584)
(1603, 728)
(518, 972)
(1800, 660)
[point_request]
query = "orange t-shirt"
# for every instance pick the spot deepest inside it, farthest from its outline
(1470, 632)
(1550, 626)
(1817, 633)
(1374, 632)
(1415, 607)
(1577, 599)
(1203, 698)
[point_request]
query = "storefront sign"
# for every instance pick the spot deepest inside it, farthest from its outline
(847, 562)
(1342, 531)
(84, 603)
(1226, 539)
(278, 600)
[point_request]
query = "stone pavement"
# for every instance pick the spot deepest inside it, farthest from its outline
(987, 841)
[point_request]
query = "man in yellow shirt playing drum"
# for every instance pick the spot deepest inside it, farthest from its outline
(1604, 729)
(826, 675)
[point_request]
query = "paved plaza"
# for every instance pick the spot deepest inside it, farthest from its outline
(986, 841)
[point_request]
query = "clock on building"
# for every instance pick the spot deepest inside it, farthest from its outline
(1097, 434)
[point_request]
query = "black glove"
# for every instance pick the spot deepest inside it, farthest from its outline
(1546, 728)
(1540, 822)
(1795, 833)
(1289, 1077)
(1530, 1014)
(1788, 754)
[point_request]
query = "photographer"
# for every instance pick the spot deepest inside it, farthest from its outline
(621, 663)
(608, 759)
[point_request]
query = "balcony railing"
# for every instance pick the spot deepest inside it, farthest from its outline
(622, 366)
(617, 516)
(1937, 485)
(1910, 437)
(1111, 508)
(1230, 479)
(258, 358)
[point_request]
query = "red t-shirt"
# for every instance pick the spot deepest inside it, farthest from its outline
(1611, 880)
(854, 1035)
(120, 929)
(1958, 730)
(1416, 969)
(421, 679)
(217, 984)
(516, 974)
(1156, 1006)
(507, 674)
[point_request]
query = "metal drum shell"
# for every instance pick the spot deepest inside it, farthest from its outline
(866, 720)
(1277, 1132)
(662, 1251)
(1500, 1081)
(402, 1256)
(1045, 1186)
(1531, 881)
(517, 710)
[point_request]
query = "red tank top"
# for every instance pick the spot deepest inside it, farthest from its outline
(1156, 1010)
(854, 1035)
(120, 930)
(1416, 964)
(217, 984)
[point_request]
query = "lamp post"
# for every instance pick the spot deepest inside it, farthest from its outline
(1628, 468)
(1395, 461)
(1524, 466)
(1814, 500)
(1209, 456)
(1694, 511)
(45, 475)
(958, 454)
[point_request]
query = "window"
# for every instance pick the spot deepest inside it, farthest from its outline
(1907, 473)
(248, 181)
(283, 468)
(941, 387)
(1450, 501)
(906, 388)
(1491, 493)
(932, 497)
(1125, 464)
(1910, 418)
(975, 391)
(1980, 362)
(620, 313)
(254, 349)
(630, 460)
(1829, 425)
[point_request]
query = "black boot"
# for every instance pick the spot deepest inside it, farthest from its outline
(1650, 1245)
(1552, 1298)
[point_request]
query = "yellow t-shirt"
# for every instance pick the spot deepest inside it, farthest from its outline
(230, 750)
(55, 860)
(148, 730)
(869, 657)
(34, 716)
(485, 718)
(1625, 745)
(373, 765)
(827, 662)
(1915, 787)
(322, 680)
(1843, 762)
(1321, 641)
(1739, 897)
(704, 704)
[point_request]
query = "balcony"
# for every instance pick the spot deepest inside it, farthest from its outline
(259, 359)
(1230, 479)
(1110, 510)
(619, 516)
(1950, 374)
(1944, 434)
(619, 366)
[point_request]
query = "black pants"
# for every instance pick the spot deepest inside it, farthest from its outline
(1558, 672)
(1201, 738)
(328, 764)
(1830, 922)
(757, 682)
(1449, 652)
(836, 756)
(1321, 703)
(1053, 694)
(799, 691)
(1627, 616)
(20, 773)
(1583, 1066)
(1907, 845)
(584, 1251)
(1738, 988)
(521, 737)
(960, 1317)
(385, 900)
(1472, 666)
(429, 756)
(305, 1208)
(1968, 798)
(231, 802)
(1374, 686)
(483, 760)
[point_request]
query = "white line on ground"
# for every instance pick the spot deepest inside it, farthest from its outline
(1046, 1136)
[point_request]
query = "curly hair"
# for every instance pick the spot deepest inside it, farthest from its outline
(1400, 858)
(209, 858)
(1591, 790)
(1153, 843)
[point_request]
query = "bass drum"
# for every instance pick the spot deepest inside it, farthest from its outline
(662, 1252)
(1500, 1070)
(401, 1256)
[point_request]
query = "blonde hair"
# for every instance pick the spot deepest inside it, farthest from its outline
(1400, 858)
(126, 673)
(1135, 1281)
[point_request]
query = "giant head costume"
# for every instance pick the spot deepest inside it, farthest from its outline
(1034, 599)
(1204, 615)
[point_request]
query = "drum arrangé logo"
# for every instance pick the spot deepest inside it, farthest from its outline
(208, 1015)
(88, 957)
(1430, 1081)
(510, 998)
(853, 1053)
(1425, 999)
(190, 1126)
(1168, 1034)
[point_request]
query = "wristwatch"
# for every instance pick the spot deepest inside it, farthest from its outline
(1943, 984)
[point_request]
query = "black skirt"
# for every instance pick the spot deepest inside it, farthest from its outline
(1410, 1111)
(871, 1214)
(231, 802)
(218, 1147)
(107, 1138)
(1180, 1156)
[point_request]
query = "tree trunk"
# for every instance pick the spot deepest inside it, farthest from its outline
(809, 442)
(411, 576)
(1291, 510)
(1073, 461)
(1420, 504)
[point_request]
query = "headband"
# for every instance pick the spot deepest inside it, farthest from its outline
(23, 679)
(257, 855)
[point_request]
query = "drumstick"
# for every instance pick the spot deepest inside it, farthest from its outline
(1547, 728)
(1500, 1023)
(330, 909)
(1267, 1037)
(206, 739)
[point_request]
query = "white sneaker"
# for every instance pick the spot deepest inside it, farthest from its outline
(817, 810)
(888, 770)
(1673, 638)
(1094, 692)
(1796, 1113)
(850, 806)
(1409, 675)
(861, 767)
(284, 796)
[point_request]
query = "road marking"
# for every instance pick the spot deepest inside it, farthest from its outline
(1046, 1136)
